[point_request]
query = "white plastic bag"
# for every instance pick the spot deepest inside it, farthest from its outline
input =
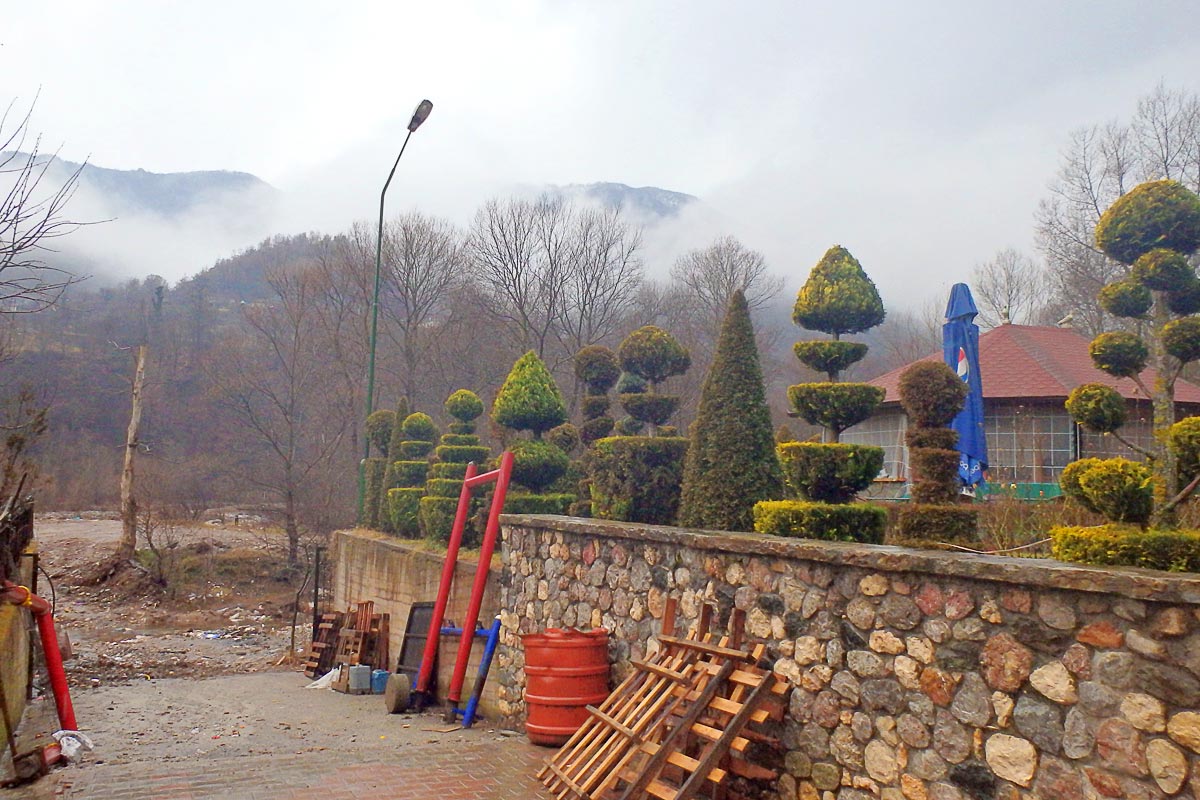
(325, 681)
(73, 744)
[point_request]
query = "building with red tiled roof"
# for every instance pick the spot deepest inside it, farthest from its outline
(1027, 373)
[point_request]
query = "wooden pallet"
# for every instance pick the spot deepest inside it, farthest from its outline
(321, 652)
(666, 730)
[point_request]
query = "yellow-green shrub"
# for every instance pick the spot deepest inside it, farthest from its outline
(855, 522)
(1128, 546)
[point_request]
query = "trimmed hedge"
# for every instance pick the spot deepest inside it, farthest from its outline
(1097, 407)
(1183, 438)
(653, 354)
(461, 428)
(933, 438)
(596, 366)
(407, 474)
(829, 473)
(459, 439)
(935, 475)
(922, 524)
(596, 428)
(636, 478)
(379, 429)
(931, 394)
(855, 522)
(412, 450)
(529, 399)
(404, 505)
(565, 437)
(835, 406)
(420, 426)
(522, 503)
(436, 516)
(375, 469)
(443, 487)
(1118, 488)
(830, 357)
(1127, 546)
(654, 409)
(462, 454)
(448, 469)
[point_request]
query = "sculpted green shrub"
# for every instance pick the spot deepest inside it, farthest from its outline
(1181, 339)
(935, 524)
(1126, 299)
(597, 368)
(404, 505)
(854, 522)
(731, 462)
(455, 450)
(537, 464)
(931, 438)
(1186, 300)
(565, 437)
(1128, 546)
(379, 429)
(835, 406)
(529, 399)
(830, 357)
(464, 405)
(1183, 438)
(1118, 488)
(1069, 481)
(653, 355)
(636, 478)
(1119, 353)
(931, 394)
(1162, 269)
(1097, 407)
(838, 297)
(829, 473)
(375, 469)
(652, 409)
(1157, 214)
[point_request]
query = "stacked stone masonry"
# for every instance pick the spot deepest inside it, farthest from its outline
(918, 675)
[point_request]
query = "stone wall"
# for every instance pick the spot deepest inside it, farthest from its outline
(395, 573)
(918, 674)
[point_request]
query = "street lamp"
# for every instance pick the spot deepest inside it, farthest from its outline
(419, 116)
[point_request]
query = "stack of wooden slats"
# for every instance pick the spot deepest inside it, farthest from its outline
(359, 636)
(677, 725)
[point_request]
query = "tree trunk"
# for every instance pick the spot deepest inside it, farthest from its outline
(290, 527)
(1166, 479)
(128, 543)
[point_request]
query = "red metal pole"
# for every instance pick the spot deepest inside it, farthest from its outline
(425, 677)
(481, 575)
(21, 596)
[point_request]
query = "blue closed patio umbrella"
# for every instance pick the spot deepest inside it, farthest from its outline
(960, 349)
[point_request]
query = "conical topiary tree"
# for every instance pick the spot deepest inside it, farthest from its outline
(731, 462)
(1152, 229)
(455, 450)
(931, 395)
(409, 471)
(838, 299)
(638, 478)
(531, 401)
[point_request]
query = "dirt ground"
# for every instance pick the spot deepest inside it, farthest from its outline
(196, 677)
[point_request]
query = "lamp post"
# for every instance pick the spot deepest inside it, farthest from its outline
(419, 116)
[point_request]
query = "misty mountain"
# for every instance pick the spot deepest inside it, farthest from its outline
(648, 202)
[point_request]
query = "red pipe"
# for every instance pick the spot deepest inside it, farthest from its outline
(454, 695)
(21, 596)
(426, 678)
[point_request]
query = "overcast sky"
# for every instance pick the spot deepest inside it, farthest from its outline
(918, 135)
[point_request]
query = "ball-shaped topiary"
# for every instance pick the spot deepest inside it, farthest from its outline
(1097, 407)
(653, 354)
(1184, 440)
(1181, 338)
(565, 437)
(1119, 353)
(835, 406)
(529, 399)
(419, 426)
(1157, 214)
(838, 297)
(597, 368)
(830, 357)
(1126, 299)
(379, 429)
(1185, 300)
(1069, 480)
(1119, 489)
(537, 464)
(931, 394)
(1163, 269)
(464, 405)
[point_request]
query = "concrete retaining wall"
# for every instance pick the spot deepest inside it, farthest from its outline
(395, 573)
(918, 675)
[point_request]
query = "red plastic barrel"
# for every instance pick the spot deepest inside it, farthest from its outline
(565, 671)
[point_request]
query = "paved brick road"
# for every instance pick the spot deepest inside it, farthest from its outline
(499, 770)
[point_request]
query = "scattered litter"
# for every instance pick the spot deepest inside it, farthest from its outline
(325, 681)
(73, 744)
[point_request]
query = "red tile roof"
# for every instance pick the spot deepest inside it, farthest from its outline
(1036, 362)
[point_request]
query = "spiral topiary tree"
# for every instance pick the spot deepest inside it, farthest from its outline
(409, 472)
(838, 299)
(1152, 229)
(454, 451)
(531, 401)
(931, 395)
(638, 478)
(731, 462)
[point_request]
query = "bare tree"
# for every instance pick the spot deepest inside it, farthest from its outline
(1010, 288)
(274, 383)
(713, 274)
(31, 216)
(520, 251)
(603, 278)
(1101, 163)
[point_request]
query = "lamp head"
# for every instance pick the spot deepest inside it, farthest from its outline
(420, 115)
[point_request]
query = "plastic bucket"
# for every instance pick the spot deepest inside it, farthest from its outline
(565, 671)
